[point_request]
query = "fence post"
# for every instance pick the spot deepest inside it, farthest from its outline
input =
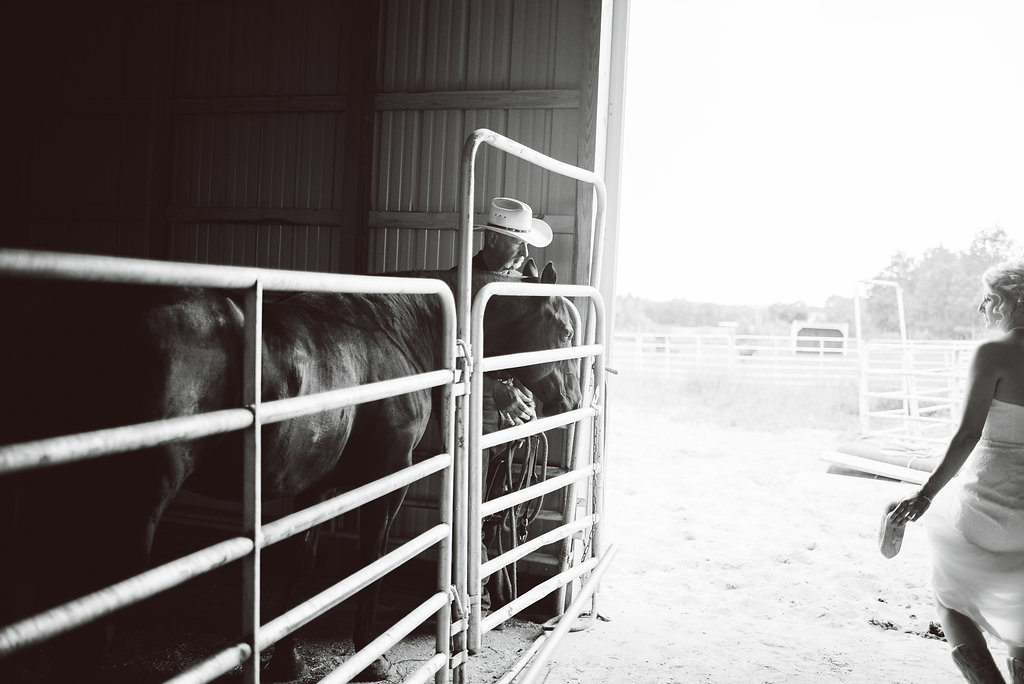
(732, 361)
(821, 358)
(252, 497)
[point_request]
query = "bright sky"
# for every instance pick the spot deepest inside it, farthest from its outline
(781, 150)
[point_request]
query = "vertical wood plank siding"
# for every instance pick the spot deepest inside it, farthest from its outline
(445, 47)
(250, 133)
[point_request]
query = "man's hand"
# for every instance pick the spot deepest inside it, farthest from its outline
(514, 405)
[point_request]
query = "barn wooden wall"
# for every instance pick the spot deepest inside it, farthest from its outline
(307, 134)
(259, 163)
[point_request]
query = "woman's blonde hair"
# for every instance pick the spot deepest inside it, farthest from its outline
(1005, 281)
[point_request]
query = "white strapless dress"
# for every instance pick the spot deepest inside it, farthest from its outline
(976, 530)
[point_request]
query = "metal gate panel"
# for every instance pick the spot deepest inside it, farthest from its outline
(250, 417)
(577, 472)
(591, 417)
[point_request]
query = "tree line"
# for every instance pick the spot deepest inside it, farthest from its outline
(941, 290)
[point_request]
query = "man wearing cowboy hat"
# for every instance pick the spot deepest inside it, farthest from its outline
(509, 230)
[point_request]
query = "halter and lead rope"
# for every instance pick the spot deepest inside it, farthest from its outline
(515, 521)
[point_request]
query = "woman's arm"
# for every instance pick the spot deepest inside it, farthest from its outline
(982, 378)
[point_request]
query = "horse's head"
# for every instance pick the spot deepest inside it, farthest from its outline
(523, 324)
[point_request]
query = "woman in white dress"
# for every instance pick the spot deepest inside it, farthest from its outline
(976, 496)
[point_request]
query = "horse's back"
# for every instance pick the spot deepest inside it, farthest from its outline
(318, 343)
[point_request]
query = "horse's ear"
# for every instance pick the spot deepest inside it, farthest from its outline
(530, 271)
(549, 275)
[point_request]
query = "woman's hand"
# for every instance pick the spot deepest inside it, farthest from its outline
(910, 509)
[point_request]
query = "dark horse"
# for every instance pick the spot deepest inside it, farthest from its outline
(82, 357)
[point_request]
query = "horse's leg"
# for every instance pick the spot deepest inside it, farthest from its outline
(375, 521)
(299, 554)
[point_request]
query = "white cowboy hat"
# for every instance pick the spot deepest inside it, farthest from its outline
(511, 217)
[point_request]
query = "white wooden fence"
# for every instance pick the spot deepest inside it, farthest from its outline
(909, 391)
(763, 358)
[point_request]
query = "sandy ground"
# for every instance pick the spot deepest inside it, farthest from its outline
(741, 560)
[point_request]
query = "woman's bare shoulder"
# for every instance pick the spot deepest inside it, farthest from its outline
(1005, 345)
(1003, 359)
(998, 358)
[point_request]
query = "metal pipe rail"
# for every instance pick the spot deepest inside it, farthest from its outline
(354, 665)
(214, 666)
(520, 359)
(427, 670)
(253, 282)
(103, 269)
(538, 592)
(546, 487)
(535, 427)
(526, 548)
(300, 615)
(939, 394)
(85, 445)
(466, 184)
(478, 509)
(303, 520)
(899, 414)
(899, 372)
(81, 611)
(467, 477)
(570, 615)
